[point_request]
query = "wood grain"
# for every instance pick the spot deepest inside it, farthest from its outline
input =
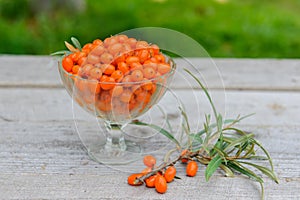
(43, 157)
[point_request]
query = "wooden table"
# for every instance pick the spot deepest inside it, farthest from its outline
(42, 157)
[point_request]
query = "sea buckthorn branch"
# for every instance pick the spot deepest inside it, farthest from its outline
(217, 145)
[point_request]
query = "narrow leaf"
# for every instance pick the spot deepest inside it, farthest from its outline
(264, 170)
(76, 43)
(227, 170)
(63, 52)
(240, 168)
(161, 130)
(239, 141)
(205, 91)
(212, 166)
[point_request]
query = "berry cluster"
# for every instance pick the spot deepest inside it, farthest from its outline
(158, 177)
(119, 75)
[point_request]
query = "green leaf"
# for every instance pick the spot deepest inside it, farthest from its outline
(239, 141)
(240, 168)
(227, 170)
(212, 166)
(266, 152)
(161, 130)
(76, 43)
(205, 91)
(264, 170)
(63, 52)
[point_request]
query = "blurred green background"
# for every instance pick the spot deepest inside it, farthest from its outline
(225, 28)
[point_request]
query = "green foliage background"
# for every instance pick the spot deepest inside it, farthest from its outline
(225, 28)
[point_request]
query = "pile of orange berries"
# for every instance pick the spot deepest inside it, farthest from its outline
(158, 178)
(104, 68)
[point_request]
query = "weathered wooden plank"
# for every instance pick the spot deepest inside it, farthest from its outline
(271, 108)
(114, 186)
(41, 71)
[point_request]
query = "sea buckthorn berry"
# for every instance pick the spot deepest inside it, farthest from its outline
(97, 42)
(106, 58)
(110, 41)
(122, 38)
(137, 75)
(115, 48)
(141, 44)
(132, 42)
(108, 69)
(93, 59)
(170, 174)
(155, 48)
(67, 63)
(150, 182)
(149, 161)
(143, 55)
(117, 74)
(122, 66)
(149, 73)
(81, 60)
(132, 59)
(85, 70)
(96, 73)
(192, 168)
(163, 68)
(160, 58)
(98, 50)
(135, 66)
(107, 83)
(160, 184)
(149, 63)
(132, 179)
(147, 85)
(75, 69)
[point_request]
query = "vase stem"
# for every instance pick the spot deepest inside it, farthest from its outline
(114, 137)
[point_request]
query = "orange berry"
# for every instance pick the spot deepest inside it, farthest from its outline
(93, 59)
(160, 184)
(149, 63)
(98, 50)
(135, 66)
(117, 74)
(192, 168)
(106, 58)
(150, 182)
(160, 58)
(149, 73)
(107, 83)
(67, 63)
(149, 161)
(132, 42)
(141, 44)
(155, 48)
(163, 68)
(137, 75)
(147, 85)
(121, 38)
(108, 69)
(115, 48)
(122, 66)
(170, 174)
(132, 179)
(97, 42)
(132, 59)
(96, 73)
(75, 69)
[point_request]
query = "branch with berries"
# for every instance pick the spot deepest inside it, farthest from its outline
(219, 145)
